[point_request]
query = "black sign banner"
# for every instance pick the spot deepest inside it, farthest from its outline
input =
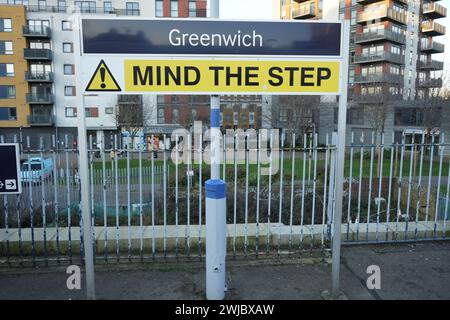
(211, 37)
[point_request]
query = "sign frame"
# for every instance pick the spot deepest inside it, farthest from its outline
(18, 179)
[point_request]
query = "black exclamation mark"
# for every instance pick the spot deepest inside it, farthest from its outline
(102, 76)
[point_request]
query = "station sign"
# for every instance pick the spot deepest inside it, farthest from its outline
(195, 56)
(10, 182)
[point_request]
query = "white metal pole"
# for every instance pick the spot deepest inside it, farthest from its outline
(215, 203)
(342, 116)
(84, 174)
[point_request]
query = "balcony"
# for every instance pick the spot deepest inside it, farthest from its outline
(384, 56)
(44, 120)
(37, 32)
(432, 47)
(432, 29)
(381, 14)
(373, 1)
(430, 83)
(380, 35)
(381, 78)
(434, 11)
(39, 98)
(88, 10)
(303, 10)
(377, 98)
(431, 65)
(37, 54)
(38, 76)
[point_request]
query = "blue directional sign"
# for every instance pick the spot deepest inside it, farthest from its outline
(10, 169)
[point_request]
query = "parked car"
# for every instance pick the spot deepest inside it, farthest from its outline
(36, 169)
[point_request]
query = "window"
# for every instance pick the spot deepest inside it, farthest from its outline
(107, 7)
(71, 112)
(192, 8)
(91, 112)
(62, 5)
(174, 8)
(7, 92)
(69, 69)
(5, 25)
(132, 8)
(235, 118)
(109, 110)
(67, 47)
(160, 115)
(175, 115)
(8, 113)
(6, 47)
(40, 69)
(251, 118)
(69, 91)
(193, 114)
(42, 4)
(38, 26)
(283, 115)
(86, 6)
(66, 25)
(355, 116)
(39, 45)
(159, 8)
(6, 70)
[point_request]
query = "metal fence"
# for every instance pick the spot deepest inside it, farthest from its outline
(280, 193)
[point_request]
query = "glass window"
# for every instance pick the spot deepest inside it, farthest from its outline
(192, 8)
(6, 70)
(66, 25)
(109, 110)
(107, 7)
(71, 112)
(174, 8)
(42, 4)
(91, 112)
(86, 6)
(6, 47)
(159, 8)
(69, 69)
(132, 8)
(5, 25)
(175, 115)
(69, 90)
(8, 113)
(67, 47)
(62, 5)
(7, 92)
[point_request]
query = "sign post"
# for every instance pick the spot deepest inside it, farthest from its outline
(10, 182)
(214, 57)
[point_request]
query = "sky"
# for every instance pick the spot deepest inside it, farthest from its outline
(262, 9)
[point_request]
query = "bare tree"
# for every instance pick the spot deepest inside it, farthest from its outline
(132, 114)
(294, 113)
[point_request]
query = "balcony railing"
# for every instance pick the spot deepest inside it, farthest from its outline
(430, 83)
(384, 56)
(39, 98)
(39, 76)
(431, 65)
(432, 47)
(434, 10)
(40, 32)
(373, 78)
(380, 35)
(92, 10)
(373, 1)
(303, 10)
(375, 98)
(381, 14)
(41, 120)
(432, 28)
(37, 54)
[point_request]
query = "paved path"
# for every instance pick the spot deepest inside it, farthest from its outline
(420, 271)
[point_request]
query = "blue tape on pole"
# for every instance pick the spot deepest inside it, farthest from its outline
(215, 118)
(215, 189)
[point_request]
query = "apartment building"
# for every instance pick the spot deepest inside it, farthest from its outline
(43, 72)
(392, 70)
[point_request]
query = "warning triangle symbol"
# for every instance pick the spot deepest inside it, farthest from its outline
(102, 80)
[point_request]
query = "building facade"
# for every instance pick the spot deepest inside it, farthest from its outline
(393, 74)
(45, 72)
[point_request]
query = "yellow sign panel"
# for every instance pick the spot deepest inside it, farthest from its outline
(233, 76)
(102, 79)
